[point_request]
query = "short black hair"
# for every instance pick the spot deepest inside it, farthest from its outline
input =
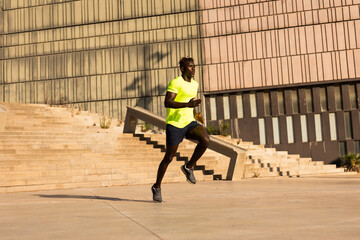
(184, 60)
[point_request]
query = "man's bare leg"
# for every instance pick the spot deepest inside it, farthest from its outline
(169, 155)
(199, 134)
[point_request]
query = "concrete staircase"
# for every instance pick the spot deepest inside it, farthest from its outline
(46, 147)
(267, 162)
(260, 161)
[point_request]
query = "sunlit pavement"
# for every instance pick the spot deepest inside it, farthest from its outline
(282, 208)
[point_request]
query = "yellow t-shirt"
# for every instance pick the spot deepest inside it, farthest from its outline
(185, 91)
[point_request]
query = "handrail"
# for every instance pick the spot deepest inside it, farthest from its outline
(3, 113)
(235, 153)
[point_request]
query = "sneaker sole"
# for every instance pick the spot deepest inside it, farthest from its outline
(182, 169)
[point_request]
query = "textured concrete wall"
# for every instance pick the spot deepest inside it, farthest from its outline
(99, 54)
(262, 43)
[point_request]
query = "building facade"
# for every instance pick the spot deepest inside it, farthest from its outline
(283, 73)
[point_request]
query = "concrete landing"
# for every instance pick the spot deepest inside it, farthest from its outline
(303, 208)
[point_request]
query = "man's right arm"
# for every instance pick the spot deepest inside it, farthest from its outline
(170, 103)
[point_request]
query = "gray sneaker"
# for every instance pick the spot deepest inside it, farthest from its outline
(189, 174)
(156, 194)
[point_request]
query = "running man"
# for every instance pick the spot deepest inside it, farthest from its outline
(180, 103)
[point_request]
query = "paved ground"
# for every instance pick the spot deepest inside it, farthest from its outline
(303, 208)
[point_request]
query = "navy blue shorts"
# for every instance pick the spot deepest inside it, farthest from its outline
(174, 135)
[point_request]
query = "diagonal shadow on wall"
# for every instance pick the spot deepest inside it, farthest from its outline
(144, 85)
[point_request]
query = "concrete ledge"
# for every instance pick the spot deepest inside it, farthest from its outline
(3, 113)
(235, 153)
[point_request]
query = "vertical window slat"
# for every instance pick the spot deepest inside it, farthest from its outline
(276, 130)
(318, 128)
(290, 129)
(304, 133)
(226, 107)
(267, 105)
(352, 95)
(337, 93)
(213, 108)
(262, 132)
(295, 101)
(323, 99)
(239, 103)
(308, 99)
(333, 128)
(253, 105)
(281, 106)
(348, 127)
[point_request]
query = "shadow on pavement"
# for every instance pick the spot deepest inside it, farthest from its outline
(92, 197)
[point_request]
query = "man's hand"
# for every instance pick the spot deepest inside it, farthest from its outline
(199, 118)
(193, 103)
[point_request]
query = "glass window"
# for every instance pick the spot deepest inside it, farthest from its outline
(352, 95)
(318, 128)
(239, 102)
(304, 133)
(337, 95)
(342, 148)
(294, 101)
(226, 107)
(308, 100)
(213, 108)
(253, 105)
(262, 133)
(276, 130)
(323, 100)
(267, 105)
(347, 121)
(290, 129)
(357, 146)
(333, 129)
(281, 106)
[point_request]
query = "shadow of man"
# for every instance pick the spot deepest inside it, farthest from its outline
(91, 197)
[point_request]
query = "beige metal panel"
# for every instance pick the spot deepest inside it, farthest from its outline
(39, 93)
(343, 65)
(93, 88)
(357, 31)
(286, 79)
(327, 65)
(350, 62)
(257, 78)
(248, 74)
(2, 94)
(336, 64)
(312, 68)
(105, 87)
(320, 67)
(357, 62)
(296, 67)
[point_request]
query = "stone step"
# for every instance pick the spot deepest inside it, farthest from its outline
(271, 160)
(283, 164)
(34, 151)
(316, 171)
(259, 173)
(79, 157)
(99, 182)
(54, 133)
(106, 179)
